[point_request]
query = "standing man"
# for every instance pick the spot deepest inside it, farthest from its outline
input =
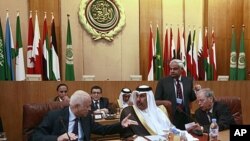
(179, 90)
(99, 104)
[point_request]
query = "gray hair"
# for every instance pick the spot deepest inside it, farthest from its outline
(207, 92)
(178, 61)
(79, 97)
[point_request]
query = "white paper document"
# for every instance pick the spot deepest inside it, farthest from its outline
(156, 138)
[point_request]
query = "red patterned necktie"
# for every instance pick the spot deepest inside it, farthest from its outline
(178, 89)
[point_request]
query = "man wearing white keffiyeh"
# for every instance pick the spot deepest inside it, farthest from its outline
(151, 119)
(124, 98)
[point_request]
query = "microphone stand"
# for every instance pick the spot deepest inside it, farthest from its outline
(64, 128)
(194, 131)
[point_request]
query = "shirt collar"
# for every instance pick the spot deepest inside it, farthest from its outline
(71, 115)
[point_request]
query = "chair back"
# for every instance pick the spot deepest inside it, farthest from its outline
(33, 114)
(234, 105)
(168, 106)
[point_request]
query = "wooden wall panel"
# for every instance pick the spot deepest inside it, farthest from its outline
(15, 94)
(150, 12)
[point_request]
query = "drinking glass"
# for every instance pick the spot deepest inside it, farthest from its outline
(3, 136)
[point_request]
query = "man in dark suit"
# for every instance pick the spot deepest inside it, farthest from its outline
(209, 108)
(74, 122)
(99, 103)
(179, 90)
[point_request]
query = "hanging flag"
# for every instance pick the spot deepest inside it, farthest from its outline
(37, 49)
(178, 46)
(69, 73)
(207, 65)
(46, 52)
(189, 55)
(166, 59)
(200, 58)
(2, 54)
(30, 59)
(213, 58)
(194, 58)
(158, 59)
(242, 58)
(172, 46)
(10, 50)
(20, 72)
(233, 58)
(55, 58)
(150, 56)
(183, 53)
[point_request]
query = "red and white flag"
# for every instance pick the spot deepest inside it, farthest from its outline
(183, 52)
(30, 59)
(36, 49)
(150, 56)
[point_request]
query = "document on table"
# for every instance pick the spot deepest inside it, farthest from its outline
(156, 138)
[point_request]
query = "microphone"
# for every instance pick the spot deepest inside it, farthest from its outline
(64, 127)
(194, 131)
(187, 115)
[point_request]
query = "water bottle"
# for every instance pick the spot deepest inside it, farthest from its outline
(213, 131)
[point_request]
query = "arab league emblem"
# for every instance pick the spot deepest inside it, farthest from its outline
(102, 18)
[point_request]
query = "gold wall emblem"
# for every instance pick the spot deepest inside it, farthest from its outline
(102, 18)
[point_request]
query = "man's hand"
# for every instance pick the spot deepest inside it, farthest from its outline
(66, 98)
(127, 122)
(65, 137)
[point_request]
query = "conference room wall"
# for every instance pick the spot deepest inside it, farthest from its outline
(14, 94)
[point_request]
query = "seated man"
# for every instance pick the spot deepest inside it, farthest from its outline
(99, 104)
(74, 122)
(62, 90)
(209, 108)
(124, 98)
(151, 119)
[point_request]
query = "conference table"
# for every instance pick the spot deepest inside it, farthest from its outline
(223, 135)
(107, 121)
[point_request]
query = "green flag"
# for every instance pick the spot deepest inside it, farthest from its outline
(69, 73)
(20, 71)
(158, 57)
(2, 55)
(233, 59)
(242, 59)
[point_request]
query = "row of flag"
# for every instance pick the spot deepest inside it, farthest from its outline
(198, 57)
(42, 54)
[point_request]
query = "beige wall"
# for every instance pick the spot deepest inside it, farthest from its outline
(179, 12)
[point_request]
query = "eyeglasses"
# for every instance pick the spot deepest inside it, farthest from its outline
(96, 92)
(63, 91)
